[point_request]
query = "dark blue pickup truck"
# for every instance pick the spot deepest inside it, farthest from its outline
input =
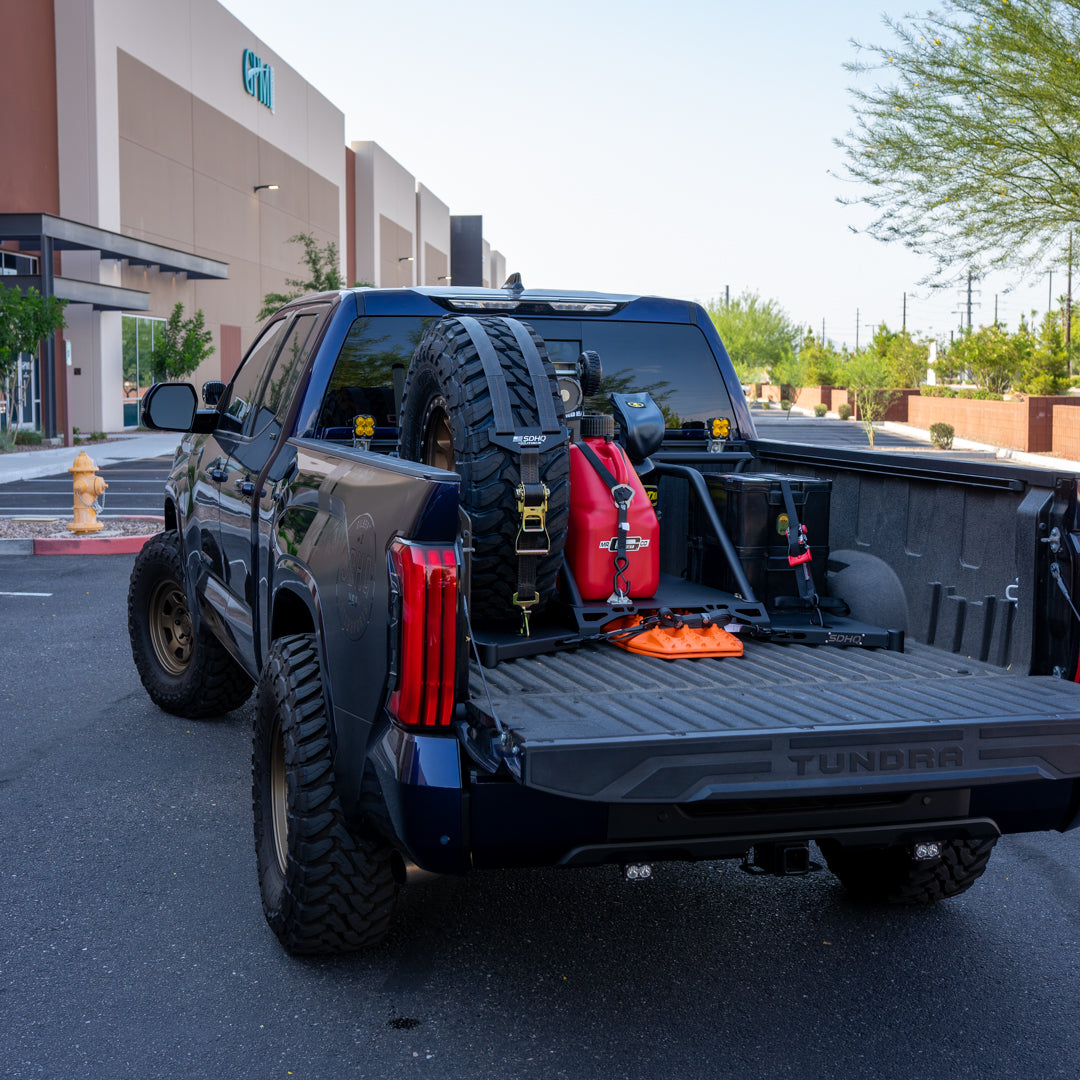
(378, 526)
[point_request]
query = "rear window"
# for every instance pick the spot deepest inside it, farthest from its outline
(671, 361)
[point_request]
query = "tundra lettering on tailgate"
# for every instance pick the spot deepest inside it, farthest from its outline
(853, 761)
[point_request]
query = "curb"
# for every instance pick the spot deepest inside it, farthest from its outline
(91, 545)
(81, 545)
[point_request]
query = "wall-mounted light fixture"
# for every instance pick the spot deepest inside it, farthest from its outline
(445, 277)
(268, 187)
(407, 258)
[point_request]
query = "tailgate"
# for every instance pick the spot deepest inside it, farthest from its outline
(604, 725)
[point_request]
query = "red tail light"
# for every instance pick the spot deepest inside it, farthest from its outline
(428, 591)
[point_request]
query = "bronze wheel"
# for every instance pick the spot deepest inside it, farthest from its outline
(170, 627)
(185, 670)
(438, 442)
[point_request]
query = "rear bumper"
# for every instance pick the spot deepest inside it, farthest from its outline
(448, 822)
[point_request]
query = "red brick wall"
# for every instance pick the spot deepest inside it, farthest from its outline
(1021, 425)
(897, 411)
(1066, 436)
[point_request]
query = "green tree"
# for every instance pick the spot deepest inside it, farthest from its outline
(25, 321)
(756, 333)
(324, 275)
(904, 357)
(870, 378)
(968, 147)
(990, 356)
(180, 346)
(822, 361)
(1046, 370)
(790, 372)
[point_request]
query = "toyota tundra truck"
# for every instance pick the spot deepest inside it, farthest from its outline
(399, 522)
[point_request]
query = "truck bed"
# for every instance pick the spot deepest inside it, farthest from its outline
(602, 724)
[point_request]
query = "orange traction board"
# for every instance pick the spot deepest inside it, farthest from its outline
(673, 642)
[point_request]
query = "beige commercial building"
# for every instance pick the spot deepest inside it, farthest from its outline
(175, 160)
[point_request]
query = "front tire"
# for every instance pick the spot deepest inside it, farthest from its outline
(186, 672)
(890, 875)
(325, 889)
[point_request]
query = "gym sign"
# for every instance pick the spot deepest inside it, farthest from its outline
(258, 79)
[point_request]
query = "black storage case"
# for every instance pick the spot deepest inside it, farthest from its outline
(751, 509)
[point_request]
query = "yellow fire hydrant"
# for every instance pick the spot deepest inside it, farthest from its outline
(87, 488)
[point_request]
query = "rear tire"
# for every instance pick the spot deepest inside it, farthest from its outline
(890, 875)
(184, 671)
(446, 413)
(325, 889)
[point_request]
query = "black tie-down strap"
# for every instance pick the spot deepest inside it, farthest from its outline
(493, 373)
(533, 540)
(532, 494)
(798, 554)
(621, 496)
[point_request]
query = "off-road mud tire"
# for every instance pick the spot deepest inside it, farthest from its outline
(325, 889)
(890, 875)
(446, 381)
(185, 672)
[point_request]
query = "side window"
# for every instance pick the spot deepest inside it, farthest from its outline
(368, 376)
(243, 390)
(276, 388)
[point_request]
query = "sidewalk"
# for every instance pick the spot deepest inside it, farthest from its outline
(30, 464)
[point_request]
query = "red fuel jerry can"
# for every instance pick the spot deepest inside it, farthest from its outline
(592, 533)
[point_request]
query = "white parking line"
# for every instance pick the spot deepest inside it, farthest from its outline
(25, 594)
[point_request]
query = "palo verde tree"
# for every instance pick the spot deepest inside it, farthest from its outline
(180, 346)
(969, 145)
(324, 274)
(25, 321)
(870, 380)
(756, 333)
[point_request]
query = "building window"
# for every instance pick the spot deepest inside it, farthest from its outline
(11, 262)
(139, 333)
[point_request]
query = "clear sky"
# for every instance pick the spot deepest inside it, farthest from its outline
(676, 148)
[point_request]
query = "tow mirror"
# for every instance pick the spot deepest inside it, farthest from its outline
(172, 407)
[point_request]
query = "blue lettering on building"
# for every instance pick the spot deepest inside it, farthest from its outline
(258, 79)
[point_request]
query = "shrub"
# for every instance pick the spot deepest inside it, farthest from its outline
(27, 438)
(766, 404)
(785, 405)
(844, 411)
(941, 435)
(820, 409)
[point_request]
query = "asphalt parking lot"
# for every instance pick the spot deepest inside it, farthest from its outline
(132, 943)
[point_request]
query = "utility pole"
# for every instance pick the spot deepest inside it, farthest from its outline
(969, 302)
(903, 325)
(995, 308)
(1050, 294)
(727, 296)
(823, 331)
(856, 329)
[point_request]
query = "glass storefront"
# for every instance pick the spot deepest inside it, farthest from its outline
(138, 335)
(24, 383)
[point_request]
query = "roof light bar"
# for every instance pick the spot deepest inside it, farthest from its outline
(484, 305)
(581, 305)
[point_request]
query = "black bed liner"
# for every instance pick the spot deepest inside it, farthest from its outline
(602, 724)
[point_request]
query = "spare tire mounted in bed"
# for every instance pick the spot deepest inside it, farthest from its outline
(482, 399)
